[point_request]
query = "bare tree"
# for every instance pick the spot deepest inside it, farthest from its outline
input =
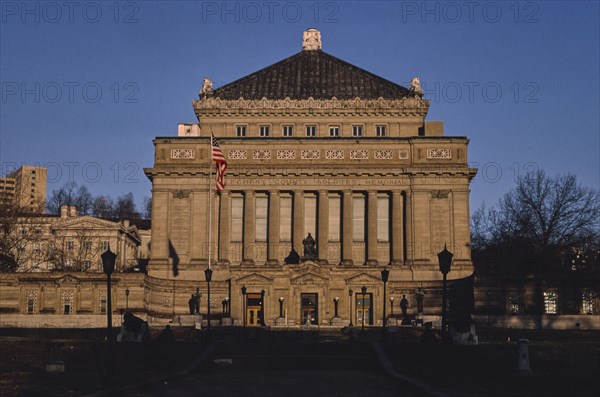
(83, 200)
(536, 227)
(147, 207)
(64, 195)
(125, 207)
(103, 207)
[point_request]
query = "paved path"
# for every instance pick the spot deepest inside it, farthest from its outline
(319, 369)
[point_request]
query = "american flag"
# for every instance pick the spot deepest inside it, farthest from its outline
(219, 158)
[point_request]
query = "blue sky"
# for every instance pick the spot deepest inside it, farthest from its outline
(86, 86)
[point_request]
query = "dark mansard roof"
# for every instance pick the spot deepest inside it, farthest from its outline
(313, 74)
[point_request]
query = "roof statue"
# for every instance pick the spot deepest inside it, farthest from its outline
(311, 40)
(415, 87)
(207, 89)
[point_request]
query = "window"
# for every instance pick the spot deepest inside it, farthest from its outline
(263, 130)
(311, 130)
(381, 130)
(240, 130)
(66, 302)
(102, 302)
(334, 217)
(237, 218)
(86, 264)
(357, 130)
(285, 218)
(70, 246)
(587, 302)
(288, 130)
(36, 250)
(310, 215)
(261, 203)
(358, 214)
(87, 245)
(514, 302)
(334, 131)
(383, 224)
(550, 302)
(30, 305)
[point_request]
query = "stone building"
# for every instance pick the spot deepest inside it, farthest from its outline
(69, 242)
(315, 147)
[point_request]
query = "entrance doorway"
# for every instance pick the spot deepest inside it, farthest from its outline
(310, 309)
(254, 310)
(365, 311)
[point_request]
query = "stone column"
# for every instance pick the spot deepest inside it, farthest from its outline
(160, 246)
(199, 222)
(298, 222)
(397, 226)
(347, 229)
(273, 250)
(372, 228)
(224, 226)
(248, 250)
(323, 226)
(409, 229)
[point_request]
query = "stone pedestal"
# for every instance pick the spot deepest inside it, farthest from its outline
(392, 321)
(338, 322)
(187, 319)
(280, 322)
(226, 322)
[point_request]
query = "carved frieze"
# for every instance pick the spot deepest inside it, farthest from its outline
(181, 194)
(359, 154)
(286, 154)
(310, 154)
(237, 155)
(403, 155)
(439, 153)
(187, 154)
(440, 194)
(261, 155)
(334, 154)
(384, 154)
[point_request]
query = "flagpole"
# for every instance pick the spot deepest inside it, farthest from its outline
(210, 202)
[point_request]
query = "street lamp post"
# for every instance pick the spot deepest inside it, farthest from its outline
(223, 304)
(335, 306)
(208, 274)
(391, 306)
(350, 292)
(227, 307)
(445, 261)
(262, 308)
(244, 304)
(364, 292)
(281, 299)
(489, 300)
(108, 265)
(385, 273)
(127, 299)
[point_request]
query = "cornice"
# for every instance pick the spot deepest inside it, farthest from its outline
(406, 106)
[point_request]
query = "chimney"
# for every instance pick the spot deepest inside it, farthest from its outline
(126, 223)
(64, 211)
(72, 211)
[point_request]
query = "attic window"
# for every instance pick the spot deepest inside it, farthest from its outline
(241, 130)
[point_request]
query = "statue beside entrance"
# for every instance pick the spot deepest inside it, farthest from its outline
(310, 250)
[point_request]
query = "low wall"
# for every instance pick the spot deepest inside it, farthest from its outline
(60, 321)
(545, 321)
